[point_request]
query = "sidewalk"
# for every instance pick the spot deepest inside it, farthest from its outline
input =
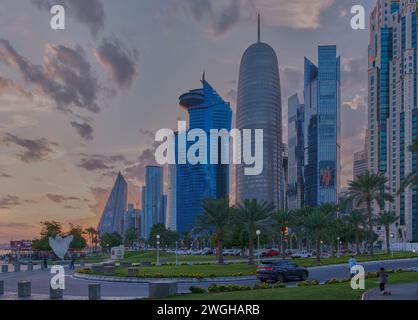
(399, 292)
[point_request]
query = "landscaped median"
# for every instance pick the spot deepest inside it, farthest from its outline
(185, 272)
(308, 290)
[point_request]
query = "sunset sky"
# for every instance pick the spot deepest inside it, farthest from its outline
(79, 105)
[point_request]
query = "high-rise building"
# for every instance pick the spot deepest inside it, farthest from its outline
(392, 103)
(196, 182)
(112, 219)
(295, 187)
(153, 206)
(322, 128)
(360, 165)
(171, 220)
(259, 107)
(132, 219)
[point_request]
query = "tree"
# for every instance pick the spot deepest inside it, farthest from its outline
(252, 214)
(317, 222)
(411, 178)
(282, 221)
(167, 237)
(386, 219)
(48, 229)
(356, 219)
(109, 240)
(91, 233)
(77, 232)
(367, 188)
(131, 236)
(216, 217)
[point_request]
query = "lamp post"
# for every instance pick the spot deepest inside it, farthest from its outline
(177, 261)
(338, 248)
(392, 236)
(158, 249)
(258, 232)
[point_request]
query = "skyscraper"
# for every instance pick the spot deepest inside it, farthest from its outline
(153, 200)
(360, 165)
(132, 219)
(194, 183)
(259, 107)
(322, 128)
(392, 101)
(295, 190)
(112, 219)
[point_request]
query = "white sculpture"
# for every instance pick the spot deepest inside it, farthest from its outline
(60, 245)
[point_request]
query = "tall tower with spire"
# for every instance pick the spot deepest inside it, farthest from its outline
(259, 107)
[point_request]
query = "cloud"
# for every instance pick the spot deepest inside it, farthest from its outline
(65, 77)
(68, 207)
(5, 175)
(84, 130)
(35, 150)
(354, 75)
(60, 198)
(118, 60)
(12, 201)
(98, 162)
(218, 19)
(15, 225)
(8, 86)
(136, 172)
(100, 196)
(90, 13)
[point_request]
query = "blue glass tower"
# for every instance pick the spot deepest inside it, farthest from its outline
(322, 127)
(113, 216)
(207, 111)
(153, 200)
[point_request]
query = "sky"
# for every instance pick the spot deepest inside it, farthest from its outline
(81, 104)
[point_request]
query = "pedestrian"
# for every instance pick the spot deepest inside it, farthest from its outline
(45, 262)
(351, 264)
(383, 280)
(72, 262)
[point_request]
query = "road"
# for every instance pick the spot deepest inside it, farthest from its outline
(79, 288)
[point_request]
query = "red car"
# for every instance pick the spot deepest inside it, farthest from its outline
(270, 253)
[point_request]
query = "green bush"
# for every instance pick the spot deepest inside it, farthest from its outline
(332, 281)
(261, 286)
(84, 271)
(279, 285)
(198, 290)
(238, 274)
(308, 283)
(214, 288)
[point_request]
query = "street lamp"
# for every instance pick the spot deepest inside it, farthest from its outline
(258, 232)
(158, 249)
(338, 248)
(392, 236)
(177, 261)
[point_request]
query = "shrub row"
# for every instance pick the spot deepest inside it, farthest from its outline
(308, 283)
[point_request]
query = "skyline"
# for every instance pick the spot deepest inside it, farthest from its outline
(86, 152)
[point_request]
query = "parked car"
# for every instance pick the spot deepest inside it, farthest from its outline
(302, 254)
(270, 253)
(281, 271)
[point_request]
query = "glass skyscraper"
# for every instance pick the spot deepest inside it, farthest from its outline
(153, 200)
(392, 103)
(322, 128)
(295, 188)
(113, 216)
(194, 183)
(259, 106)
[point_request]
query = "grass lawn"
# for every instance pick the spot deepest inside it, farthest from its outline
(191, 271)
(322, 292)
(151, 256)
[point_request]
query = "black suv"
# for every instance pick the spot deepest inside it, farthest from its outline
(280, 271)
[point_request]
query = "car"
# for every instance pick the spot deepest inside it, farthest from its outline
(302, 254)
(281, 271)
(270, 253)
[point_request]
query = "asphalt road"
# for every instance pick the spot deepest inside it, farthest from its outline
(79, 288)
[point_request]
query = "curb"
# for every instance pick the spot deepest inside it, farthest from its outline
(150, 280)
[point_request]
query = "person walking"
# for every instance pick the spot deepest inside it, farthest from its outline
(383, 280)
(72, 263)
(351, 264)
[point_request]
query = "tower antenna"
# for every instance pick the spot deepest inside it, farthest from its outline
(259, 27)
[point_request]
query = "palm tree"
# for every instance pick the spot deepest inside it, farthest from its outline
(216, 217)
(386, 219)
(282, 221)
(412, 178)
(91, 232)
(253, 214)
(317, 223)
(356, 219)
(367, 188)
